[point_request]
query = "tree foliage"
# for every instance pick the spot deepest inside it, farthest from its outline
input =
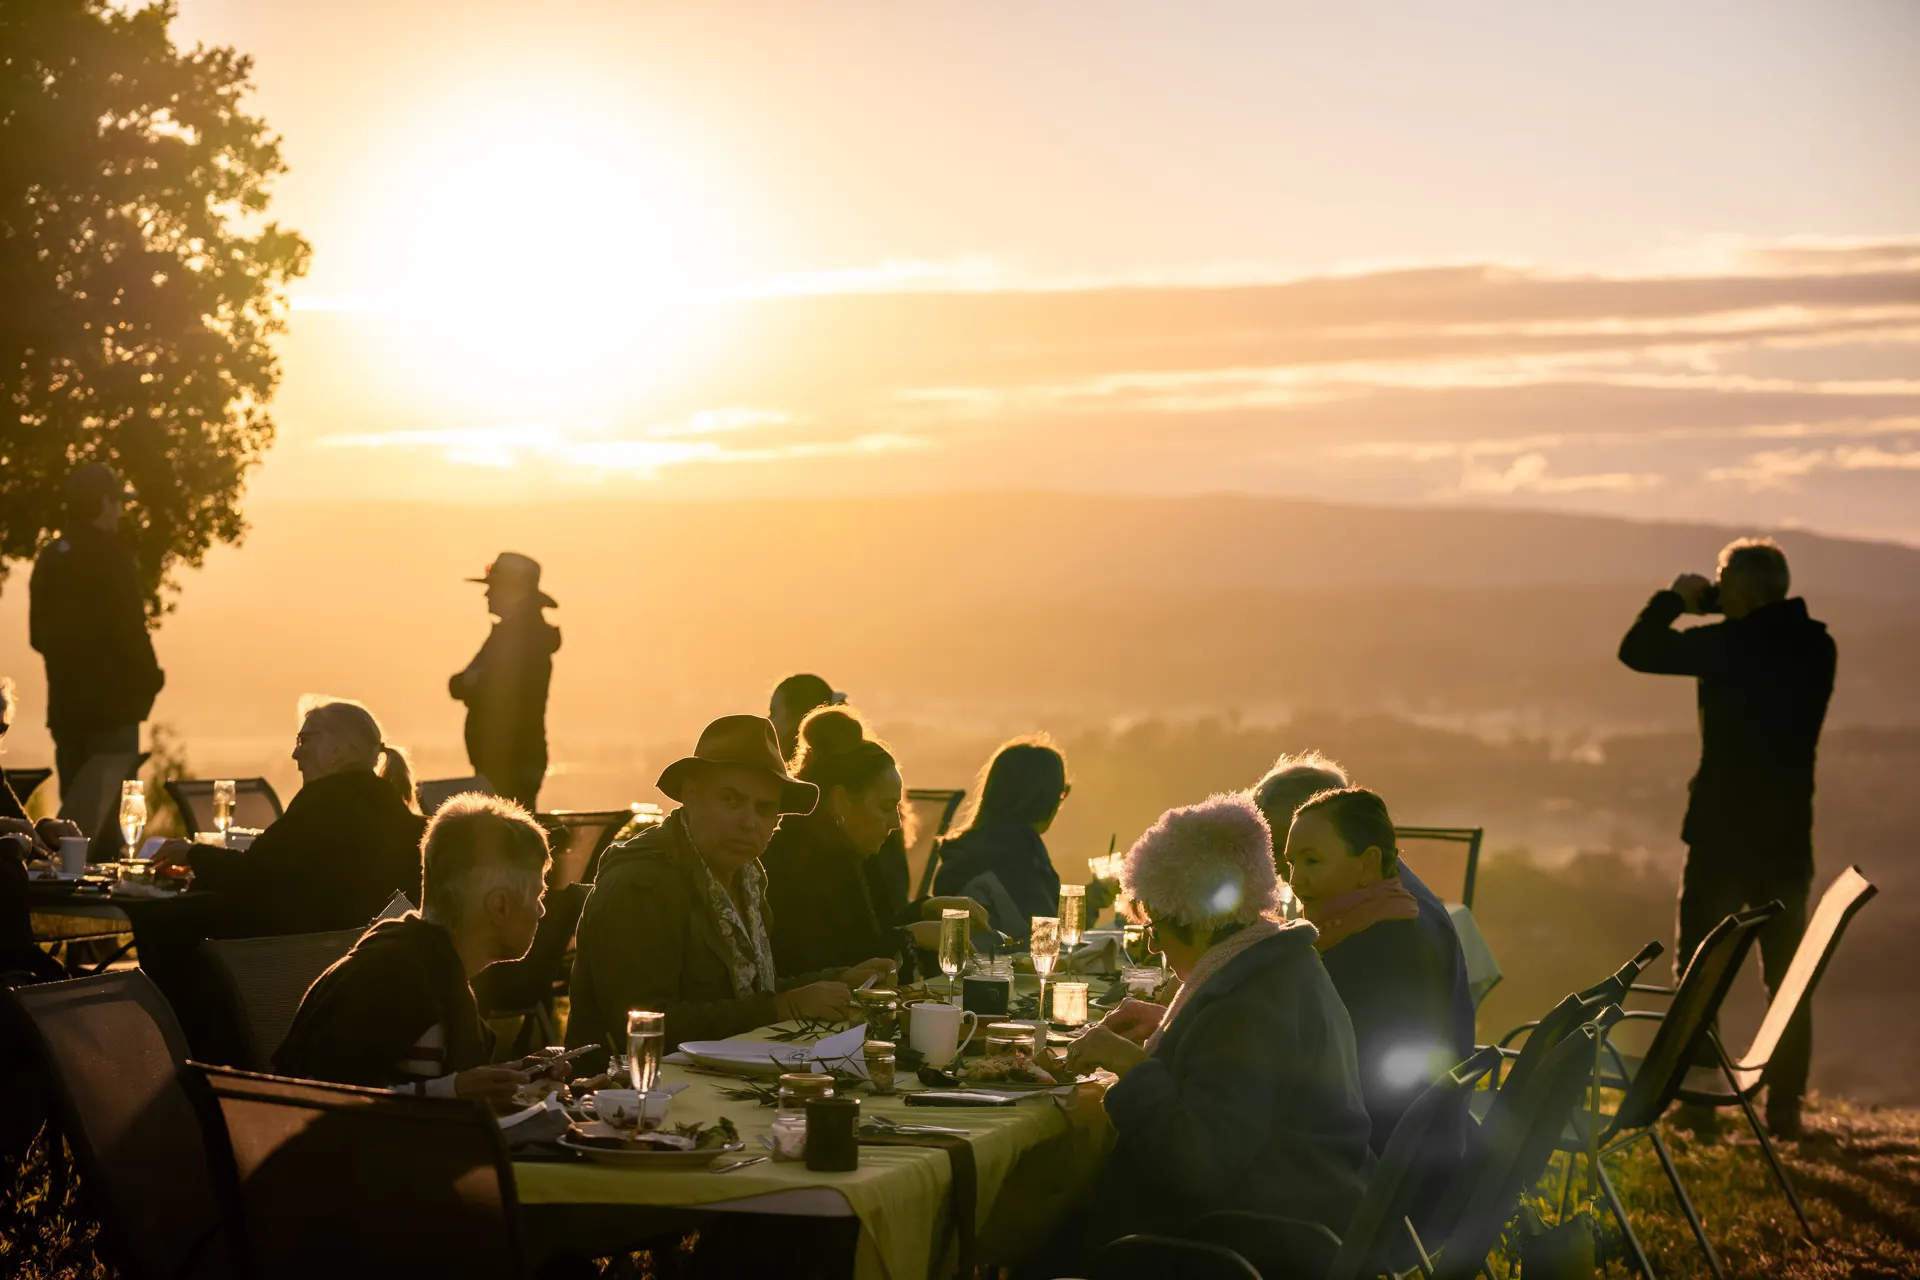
(140, 281)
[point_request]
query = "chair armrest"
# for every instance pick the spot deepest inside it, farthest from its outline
(1648, 988)
(1508, 1038)
(1642, 1015)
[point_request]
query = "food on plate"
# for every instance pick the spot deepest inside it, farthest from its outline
(1005, 1068)
(691, 1136)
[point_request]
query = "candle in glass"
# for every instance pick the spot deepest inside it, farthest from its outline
(1044, 946)
(1070, 1003)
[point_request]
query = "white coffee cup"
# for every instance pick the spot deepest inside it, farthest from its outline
(73, 855)
(935, 1032)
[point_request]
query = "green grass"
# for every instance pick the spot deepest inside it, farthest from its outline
(1858, 1172)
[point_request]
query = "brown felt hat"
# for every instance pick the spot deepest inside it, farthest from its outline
(742, 740)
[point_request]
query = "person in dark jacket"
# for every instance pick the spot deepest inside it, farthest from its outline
(1765, 675)
(1392, 967)
(88, 619)
(41, 838)
(505, 686)
(824, 912)
(398, 1010)
(678, 920)
(998, 858)
(1244, 1093)
(349, 840)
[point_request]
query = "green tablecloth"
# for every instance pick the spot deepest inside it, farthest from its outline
(1046, 1147)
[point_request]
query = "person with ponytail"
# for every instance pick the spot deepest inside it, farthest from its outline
(349, 840)
(818, 893)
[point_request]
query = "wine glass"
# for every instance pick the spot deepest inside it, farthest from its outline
(223, 790)
(953, 942)
(1044, 947)
(133, 813)
(1073, 918)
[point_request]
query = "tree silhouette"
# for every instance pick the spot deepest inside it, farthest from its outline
(140, 282)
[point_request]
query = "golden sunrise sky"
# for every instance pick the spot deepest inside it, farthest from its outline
(1639, 258)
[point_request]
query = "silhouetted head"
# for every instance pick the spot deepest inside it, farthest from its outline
(337, 735)
(1294, 780)
(860, 787)
(1753, 574)
(1339, 841)
(792, 699)
(1024, 782)
(96, 496)
(484, 867)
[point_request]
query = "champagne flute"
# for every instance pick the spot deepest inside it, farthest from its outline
(1073, 918)
(646, 1040)
(1044, 946)
(223, 790)
(133, 814)
(953, 942)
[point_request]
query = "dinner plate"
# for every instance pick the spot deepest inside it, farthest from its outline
(749, 1057)
(698, 1158)
(1019, 1086)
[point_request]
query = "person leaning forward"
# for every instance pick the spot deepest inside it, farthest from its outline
(677, 921)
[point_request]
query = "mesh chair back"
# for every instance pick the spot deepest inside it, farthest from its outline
(255, 804)
(1455, 863)
(1696, 1003)
(24, 782)
(435, 792)
(1515, 1150)
(1849, 892)
(578, 838)
(513, 986)
(325, 1181)
(92, 801)
(1615, 988)
(931, 810)
(1167, 1258)
(266, 978)
(112, 1052)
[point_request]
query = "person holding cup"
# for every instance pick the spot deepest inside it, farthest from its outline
(1245, 1092)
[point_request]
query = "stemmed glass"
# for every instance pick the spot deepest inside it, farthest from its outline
(1073, 918)
(223, 806)
(1044, 946)
(133, 813)
(953, 942)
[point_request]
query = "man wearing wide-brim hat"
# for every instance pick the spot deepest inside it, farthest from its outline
(505, 686)
(677, 922)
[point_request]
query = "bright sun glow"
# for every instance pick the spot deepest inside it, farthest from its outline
(540, 256)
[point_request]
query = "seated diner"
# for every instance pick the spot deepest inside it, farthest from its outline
(678, 921)
(999, 858)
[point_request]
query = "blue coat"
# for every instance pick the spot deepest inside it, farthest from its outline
(1250, 1101)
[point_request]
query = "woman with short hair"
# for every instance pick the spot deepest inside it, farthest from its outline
(1245, 1094)
(998, 858)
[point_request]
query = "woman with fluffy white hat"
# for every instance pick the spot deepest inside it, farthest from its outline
(1246, 1094)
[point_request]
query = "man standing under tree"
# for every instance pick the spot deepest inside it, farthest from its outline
(88, 619)
(505, 686)
(1765, 676)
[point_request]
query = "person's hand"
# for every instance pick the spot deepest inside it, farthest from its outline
(880, 969)
(1100, 1048)
(1692, 590)
(53, 830)
(1133, 1019)
(489, 1084)
(930, 911)
(820, 1001)
(926, 935)
(173, 854)
(19, 827)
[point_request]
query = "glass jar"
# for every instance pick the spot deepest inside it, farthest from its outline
(881, 1008)
(879, 1057)
(797, 1089)
(1006, 1038)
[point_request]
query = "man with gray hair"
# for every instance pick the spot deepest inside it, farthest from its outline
(1765, 675)
(399, 1008)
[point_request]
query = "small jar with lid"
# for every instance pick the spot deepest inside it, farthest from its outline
(797, 1089)
(1006, 1038)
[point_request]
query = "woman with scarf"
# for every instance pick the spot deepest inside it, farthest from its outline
(1394, 969)
(1246, 1093)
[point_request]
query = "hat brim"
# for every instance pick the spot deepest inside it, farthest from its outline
(546, 601)
(796, 797)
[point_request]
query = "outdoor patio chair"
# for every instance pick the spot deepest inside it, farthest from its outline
(1379, 1236)
(435, 792)
(255, 805)
(577, 838)
(1650, 1090)
(525, 988)
(1849, 892)
(112, 1052)
(1469, 837)
(1545, 1032)
(1151, 1257)
(321, 1181)
(933, 811)
(26, 781)
(265, 980)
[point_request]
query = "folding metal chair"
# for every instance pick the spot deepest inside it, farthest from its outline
(266, 979)
(1468, 836)
(435, 792)
(933, 809)
(255, 805)
(319, 1181)
(112, 1052)
(26, 781)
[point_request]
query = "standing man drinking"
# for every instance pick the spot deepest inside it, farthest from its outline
(505, 686)
(88, 619)
(1765, 675)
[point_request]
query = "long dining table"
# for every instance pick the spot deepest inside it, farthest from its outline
(1031, 1161)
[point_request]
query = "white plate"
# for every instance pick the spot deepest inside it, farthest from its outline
(697, 1159)
(749, 1057)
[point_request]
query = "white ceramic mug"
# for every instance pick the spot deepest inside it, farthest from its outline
(935, 1032)
(73, 855)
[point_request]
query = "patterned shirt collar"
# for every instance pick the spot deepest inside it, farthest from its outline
(749, 950)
